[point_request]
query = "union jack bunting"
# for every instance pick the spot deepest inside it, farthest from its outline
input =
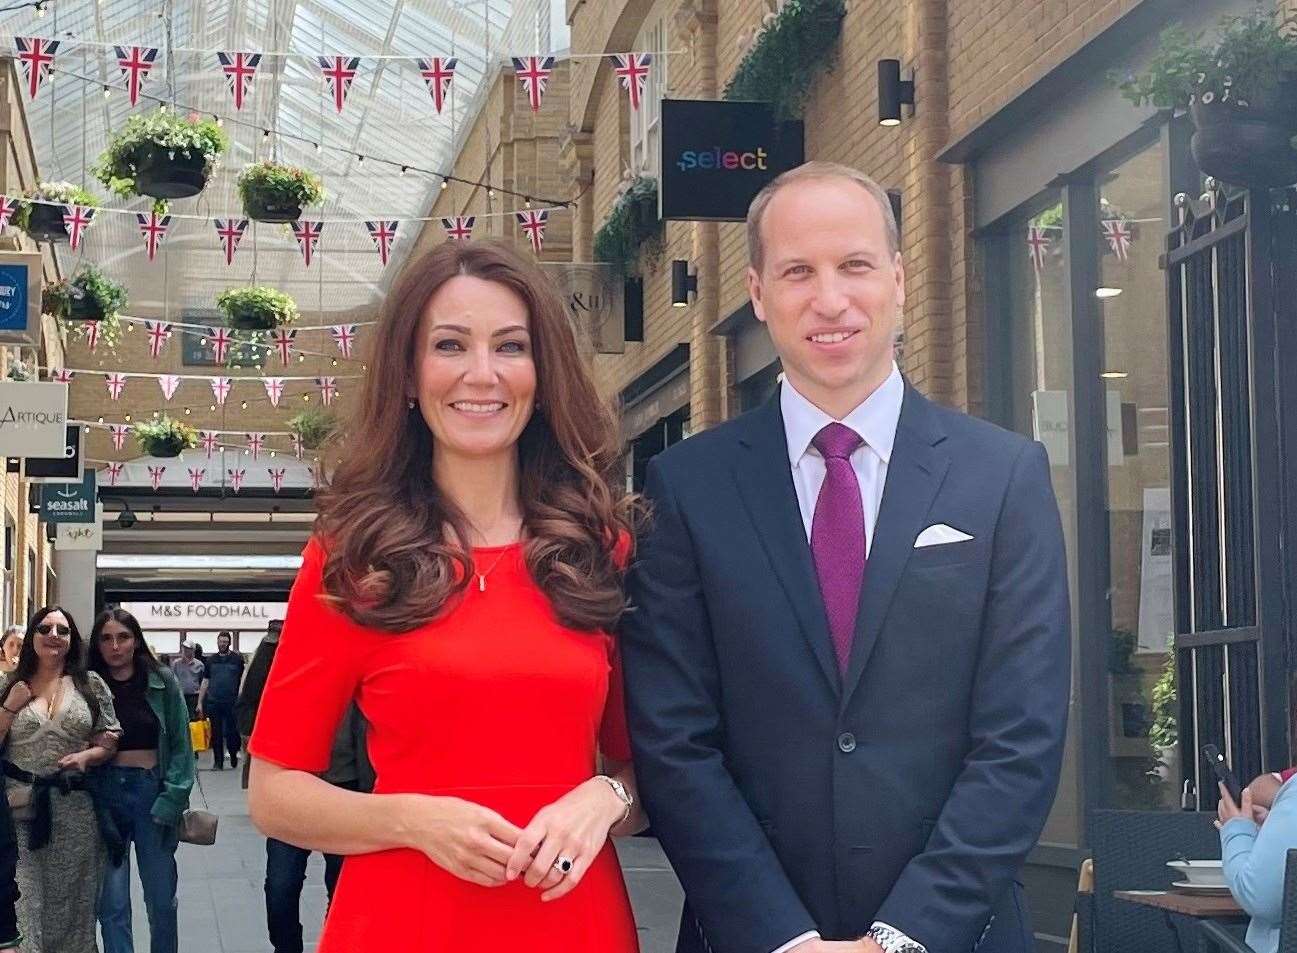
(220, 390)
(61, 376)
(115, 384)
(92, 334)
(135, 63)
(633, 70)
(297, 445)
(196, 477)
(119, 434)
(236, 478)
(168, 383)
(209, 440)
(153, 228)
(437, 72)
(255, 440)
(1037, 242)
(383, 232)
(114, 471)
(283, 341)
(1120, 236)
(7, 208)
(277, 477)
(328, 389)
(339, 71)
(533, 72)
(343, 336)
(37, 57)
(239, 68)
(533, 226)
(155, 476)
(76, 219)
(307, 234)
(230, 231)
(459, 228)
(159, 334)
(274, 389)
(220, 340)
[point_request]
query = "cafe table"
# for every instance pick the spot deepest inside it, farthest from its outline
(1184, 911)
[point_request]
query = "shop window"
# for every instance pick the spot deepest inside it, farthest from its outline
(646, 122)
(760, 387)
(666, 432)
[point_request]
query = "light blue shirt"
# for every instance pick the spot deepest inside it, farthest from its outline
(1254, 859)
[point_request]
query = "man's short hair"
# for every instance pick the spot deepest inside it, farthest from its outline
(813, 171)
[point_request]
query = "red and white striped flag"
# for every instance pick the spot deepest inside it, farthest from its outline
(383, 232)
(62, 376)
(236, 478)
(339, 71)
(135, 63)
(76, 219)
(343, 336)
(230, 232)
(437, 72)
(307, 234)
(533, 72)
(168, 383)
(220, 390)
(92, 334)
(196, 477)
(255, 440)
(159, 334)
(283, 342)
(153, 228)
(276, 477)
(7, 208)
(328, 389)
(220, 340)
(459, 228)
(533, 226)
(37, 57)
(115, 471)
(274, 389)
(116, 382)
(119, 434)
(209, 440)
(633, 70)
(155, 476)
(239, 69)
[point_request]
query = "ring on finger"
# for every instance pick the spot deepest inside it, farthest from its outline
(563, 865)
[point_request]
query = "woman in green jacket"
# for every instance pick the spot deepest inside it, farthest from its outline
(146, 786)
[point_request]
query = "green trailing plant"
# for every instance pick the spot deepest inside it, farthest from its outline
(146, 135)
(64, 193)
(1121, 649)
(257, 308)
(1251, 57)
(631, 224)
(88, 290)
(165, 437)
(313, 426)
(1164, 732)
(20, 371)
(789, 53)
(271, 185)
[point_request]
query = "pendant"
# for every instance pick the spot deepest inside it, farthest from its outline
(481, 583)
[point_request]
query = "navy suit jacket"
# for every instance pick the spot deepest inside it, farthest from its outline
(790, 797)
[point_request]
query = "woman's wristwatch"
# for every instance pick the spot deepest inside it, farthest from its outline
(623, 795)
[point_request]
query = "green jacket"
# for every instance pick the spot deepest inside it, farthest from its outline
(175, 750)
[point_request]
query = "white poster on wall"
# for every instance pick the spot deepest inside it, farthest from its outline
(1049, 425)
(1156, 596)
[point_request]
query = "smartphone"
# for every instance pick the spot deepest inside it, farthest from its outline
(1222, 772)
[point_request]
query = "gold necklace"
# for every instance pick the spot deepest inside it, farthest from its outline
(56, 697)
(481, 576)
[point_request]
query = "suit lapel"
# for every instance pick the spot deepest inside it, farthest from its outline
(914, 474)
(765, 483)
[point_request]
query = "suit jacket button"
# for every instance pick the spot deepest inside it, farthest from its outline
(846, 742)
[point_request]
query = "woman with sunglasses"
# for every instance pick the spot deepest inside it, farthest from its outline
(58, 722)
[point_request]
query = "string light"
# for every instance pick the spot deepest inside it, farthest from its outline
(404, 169)
(128, 418)
(107, 93)
(359, 158)
(445, 184)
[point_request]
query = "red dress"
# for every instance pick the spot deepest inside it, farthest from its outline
(494, 702)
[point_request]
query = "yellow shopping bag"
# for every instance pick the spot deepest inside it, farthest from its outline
(200, 734)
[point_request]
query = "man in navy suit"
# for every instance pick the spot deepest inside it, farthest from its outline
(847, 661)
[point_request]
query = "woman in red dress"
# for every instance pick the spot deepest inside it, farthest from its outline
(464, 575)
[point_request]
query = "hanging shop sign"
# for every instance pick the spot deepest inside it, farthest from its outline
(717, 155)
(69, 502)
(206, 616)
(33, 419)
(20, 298)
(81, 536)
(64, 466)
(593, 293)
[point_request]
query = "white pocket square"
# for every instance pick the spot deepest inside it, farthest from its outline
(939, 534)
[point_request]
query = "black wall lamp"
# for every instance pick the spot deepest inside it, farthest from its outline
(682, 283)
(893, 92)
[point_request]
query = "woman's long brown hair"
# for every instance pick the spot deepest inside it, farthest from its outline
(391, 563)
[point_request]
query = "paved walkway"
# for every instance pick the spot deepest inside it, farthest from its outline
(222, 906)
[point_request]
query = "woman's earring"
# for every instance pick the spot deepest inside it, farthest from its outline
(409, 404)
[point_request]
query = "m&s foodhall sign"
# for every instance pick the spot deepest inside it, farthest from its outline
(717, 155)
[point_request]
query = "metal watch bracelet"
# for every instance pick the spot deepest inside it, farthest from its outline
(623, 795)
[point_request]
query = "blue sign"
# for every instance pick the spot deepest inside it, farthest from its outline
(13, 297)
(69, 502)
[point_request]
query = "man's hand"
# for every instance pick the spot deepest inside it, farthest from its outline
(863, 945)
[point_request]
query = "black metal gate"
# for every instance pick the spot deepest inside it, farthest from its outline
(1229, 267)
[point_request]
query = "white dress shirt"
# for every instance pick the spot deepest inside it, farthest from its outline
(875, 421)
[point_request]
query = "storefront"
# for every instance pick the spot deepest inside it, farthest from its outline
(756, 365)
(655, 413)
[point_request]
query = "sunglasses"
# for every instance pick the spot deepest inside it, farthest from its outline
(45, 628)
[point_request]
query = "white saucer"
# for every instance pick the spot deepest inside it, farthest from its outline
(1205, 890)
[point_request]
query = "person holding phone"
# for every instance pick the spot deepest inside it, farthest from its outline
(1254, 857)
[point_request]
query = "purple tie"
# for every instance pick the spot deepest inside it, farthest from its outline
(838, 536)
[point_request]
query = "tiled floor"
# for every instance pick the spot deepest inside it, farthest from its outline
(222, 907)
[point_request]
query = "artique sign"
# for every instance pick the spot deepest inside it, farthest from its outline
(33, 417)
(244, 616)
(717, 155)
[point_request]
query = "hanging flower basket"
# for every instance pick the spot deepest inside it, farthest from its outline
(163, 155)
(1249, 142)
(87, 296)
(277, 193)
(794, 47)
(313, 427)
(256, 309)
(166, 175)
(632, 224)
(165, 437)
(42, 219)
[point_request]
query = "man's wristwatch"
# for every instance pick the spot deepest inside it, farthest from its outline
(618, 789)
(892, 940)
